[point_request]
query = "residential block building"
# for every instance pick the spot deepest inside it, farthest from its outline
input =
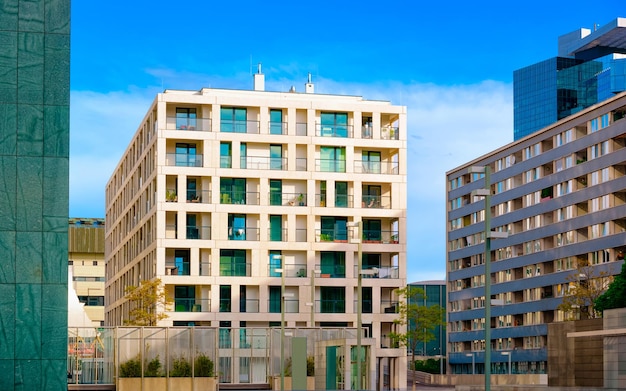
(590, 67)
(229, 195)
(434, 294)
(560, 194)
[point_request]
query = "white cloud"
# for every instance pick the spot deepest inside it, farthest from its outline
(447, 126)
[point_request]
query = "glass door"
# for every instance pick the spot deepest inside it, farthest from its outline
(276, 192)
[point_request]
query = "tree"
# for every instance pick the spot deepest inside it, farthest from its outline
(586, 285)
(148, 303)
(420, 320)
(615, 296)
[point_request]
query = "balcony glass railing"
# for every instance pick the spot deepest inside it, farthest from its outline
(301, 129)
(229, 126)
(376, 236)
(376, 202)
(330, 165)
(344, 131)
(292, 306)
(291, 270)
(249, 305)
(332, 270)
(185, 123)
(277, 127)
(246, 233)
(366, 306)
(180, 269)
(301, 164)
(198, 232)
(387, 168)
(301, 235)
(205, 268)
(277, 234)
(183, 160)
(264, 163)
(389, 307)
(331, 306)
(379, 271)
(199, 196)
(239, 197)
(170, 231)
(331, 235)
(192, 305)
(287, 199)
(367, 131)
(389, 133)
(226, 162)
(344, 201)
(234, 269)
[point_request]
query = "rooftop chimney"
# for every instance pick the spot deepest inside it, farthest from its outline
(308, 87)
(259, 80)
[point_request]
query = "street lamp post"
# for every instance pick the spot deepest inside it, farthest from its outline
(359, 303)
(282, 270)
(508, 354)
(312, 303)
(486, 193)
(473, 362)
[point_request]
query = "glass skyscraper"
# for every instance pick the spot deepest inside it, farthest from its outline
(590, 68)
(34, 159)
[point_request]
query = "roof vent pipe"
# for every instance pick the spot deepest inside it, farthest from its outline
(308, 87)
(259, 80)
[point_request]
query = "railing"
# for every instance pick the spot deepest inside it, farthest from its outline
(249, 305)
(201, 196)
(391, 272)
(387, 168)
(376, 201)
(226, 162)
(192, 305)
(233, 269)
(291, 270)
(263, 163)
(331, 235)
(198, 232)
(320, 200)
(184, 123)
(183, 159)
(277, 235)
(225, 306)
(337, 306)
(367, 131)
(171, 195)
(172, 269)
(229, 126)
(301, 235)
(170, 231)
(389, 133)
(301, 129)
(287, 199)
(376, 236)
(389, 307)
(277, 127)
(292, 306)
(205, 268)
(344, 201)
(344, 131)
(332, 271)
(301, 164)
(249, 234)
(366, 306)
(239, 197)
(330, 165)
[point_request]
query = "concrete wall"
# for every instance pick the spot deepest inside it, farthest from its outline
(615, 349)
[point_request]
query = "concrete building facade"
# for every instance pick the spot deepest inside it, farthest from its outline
(34, 160)
(560, 195)
(231, 196)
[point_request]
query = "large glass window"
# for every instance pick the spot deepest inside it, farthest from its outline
(334, 228)
(276, 157)
(233, 263)
(185, 118)
(186, 155)
(333, 300)
(233, 190)
(226, 155)
(243, 155)
(233, 120)
(333, 159)
(181, 262)
(184, 298)
(192, 228)
(276, 262)
(372, 230)
(371, 161)
(276, 121)
(236, 226)
(276, 192)
(274, 299)
(333, 263)
(341, 194)
(334, 124)
(276, 228)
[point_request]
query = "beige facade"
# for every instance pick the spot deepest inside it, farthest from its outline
(86, 263)
(220, 188)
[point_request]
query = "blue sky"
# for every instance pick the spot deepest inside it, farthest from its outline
(451, 63)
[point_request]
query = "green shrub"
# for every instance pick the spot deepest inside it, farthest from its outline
(203, 366)
(180, 368)
(131, 368)
(153, 369)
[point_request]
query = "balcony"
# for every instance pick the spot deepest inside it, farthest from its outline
(330, 235)
(183, 160)
(389, 133)
(332, 306)
(263, 163)
(343, 131)
(249, 305)
(277, 127)
(292, 270)
(182, 269)
(367, 131)
(330, 165)
(292, 306)
(391, 272)
(375, 201)
(250, 234)
(239, 197)
(389, 307)
(192, 305)
(375, 236)
(234, 269)
(301, 129)
(205, 268)
(287, 199)
(199, 196)
(344, 201)
(386, 168)
(301, 164)
(184, 123)
(332, 270)
(277, 234)
(366, 306)
(198, 232)
(229, 126)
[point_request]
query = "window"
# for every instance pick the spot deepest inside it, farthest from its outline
(184, 298)
(181, 262)
(243, 155)
(236, 226)
(226, 155)
(276, 192)
(275, 263)
(233, 190)
(233, 263)
(276, 122)
(274, 304)
(276, 228)
(599, 149)
(332, 159)
(371, 162)
(185, 118)
(225, 298)
(341, 195)
(371, 196)
(333, 264)
(333, 300)
(334, 228)
(186, 155)
(233, 120)
(372, 230)
(334, 125)
(276, 157)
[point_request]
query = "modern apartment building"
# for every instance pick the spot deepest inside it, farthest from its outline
(34, 161)
(560, 194)
(435, 294)
(86, 262)
(590, 67)
(226, 195)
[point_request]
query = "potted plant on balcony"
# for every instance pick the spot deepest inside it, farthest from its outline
(170, 196)
(301, 199)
